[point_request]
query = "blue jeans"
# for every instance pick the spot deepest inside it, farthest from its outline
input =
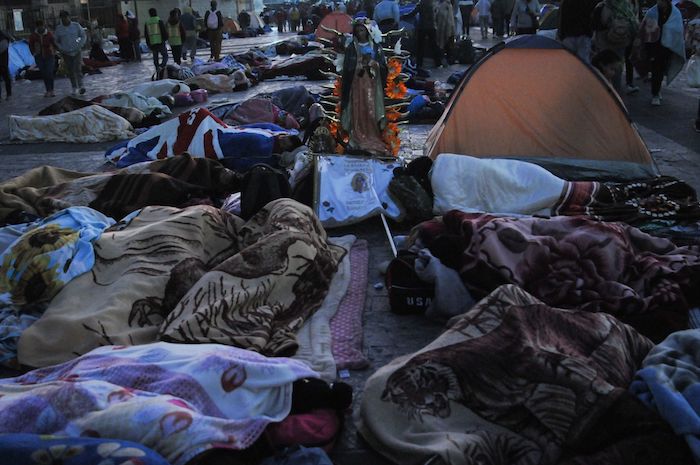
(47, 66)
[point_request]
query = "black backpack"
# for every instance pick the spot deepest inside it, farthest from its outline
(464, 52)
(260, 185)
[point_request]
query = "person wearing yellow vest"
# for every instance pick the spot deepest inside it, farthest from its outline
(215, 23)
(156, 35)
(176, 35)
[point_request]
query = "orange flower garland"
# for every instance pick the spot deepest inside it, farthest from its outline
(395, 90)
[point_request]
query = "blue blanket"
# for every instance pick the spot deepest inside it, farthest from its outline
(37, 265)
(669, 383)
(20, 56)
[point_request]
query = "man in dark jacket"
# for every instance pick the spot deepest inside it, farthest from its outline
(575, 28)
(134, 35)
(426, 32)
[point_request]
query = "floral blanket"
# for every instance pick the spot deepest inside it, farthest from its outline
(572, 262)
(513, 381)
(176, 399)
(23, 448)
(196, 275)
(38, 264)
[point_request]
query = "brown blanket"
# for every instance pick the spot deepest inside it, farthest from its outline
(573, 262)
(512, 382)
(194, 275)
(173, 182)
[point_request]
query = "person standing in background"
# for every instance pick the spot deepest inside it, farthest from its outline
(524, 17)
(70, 39)
(215, 24)
(294, 18)
(189, 24)
(445, 26)
(664, 41)
(465, 8)
(575, 27)
(134, 35)
(5, 64)
(498, 17)
(426, 32)
(121, 29)
(156, 35)
(484, 9)
(43, 47)
(510, 5)
(176, 35)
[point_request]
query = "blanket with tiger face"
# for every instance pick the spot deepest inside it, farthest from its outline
(513, 381)
(195, 275)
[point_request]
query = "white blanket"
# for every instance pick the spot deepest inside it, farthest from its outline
(138, 101)
(86, 125)
(314, 338)
(160, 88)
(493, 186)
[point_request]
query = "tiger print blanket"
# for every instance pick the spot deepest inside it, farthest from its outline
(572, 262)
(196, 275)
(173, 182)
(511, 382)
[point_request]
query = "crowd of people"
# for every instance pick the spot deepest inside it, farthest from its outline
(619, 37)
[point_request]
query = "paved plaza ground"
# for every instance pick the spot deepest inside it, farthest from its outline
(667, 131)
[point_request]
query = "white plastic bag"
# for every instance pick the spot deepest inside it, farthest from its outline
(693, 71)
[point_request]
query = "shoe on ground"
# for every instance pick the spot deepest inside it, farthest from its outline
(656, 101)
(632, 89)
(75, 92)
(82, 90)
(52, 94)
(46, 94)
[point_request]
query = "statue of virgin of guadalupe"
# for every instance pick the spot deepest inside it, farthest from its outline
(364, 74)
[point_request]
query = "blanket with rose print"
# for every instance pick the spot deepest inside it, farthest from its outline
(176, 399)
(572, 262)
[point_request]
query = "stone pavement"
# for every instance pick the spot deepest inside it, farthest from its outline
(666, 130)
